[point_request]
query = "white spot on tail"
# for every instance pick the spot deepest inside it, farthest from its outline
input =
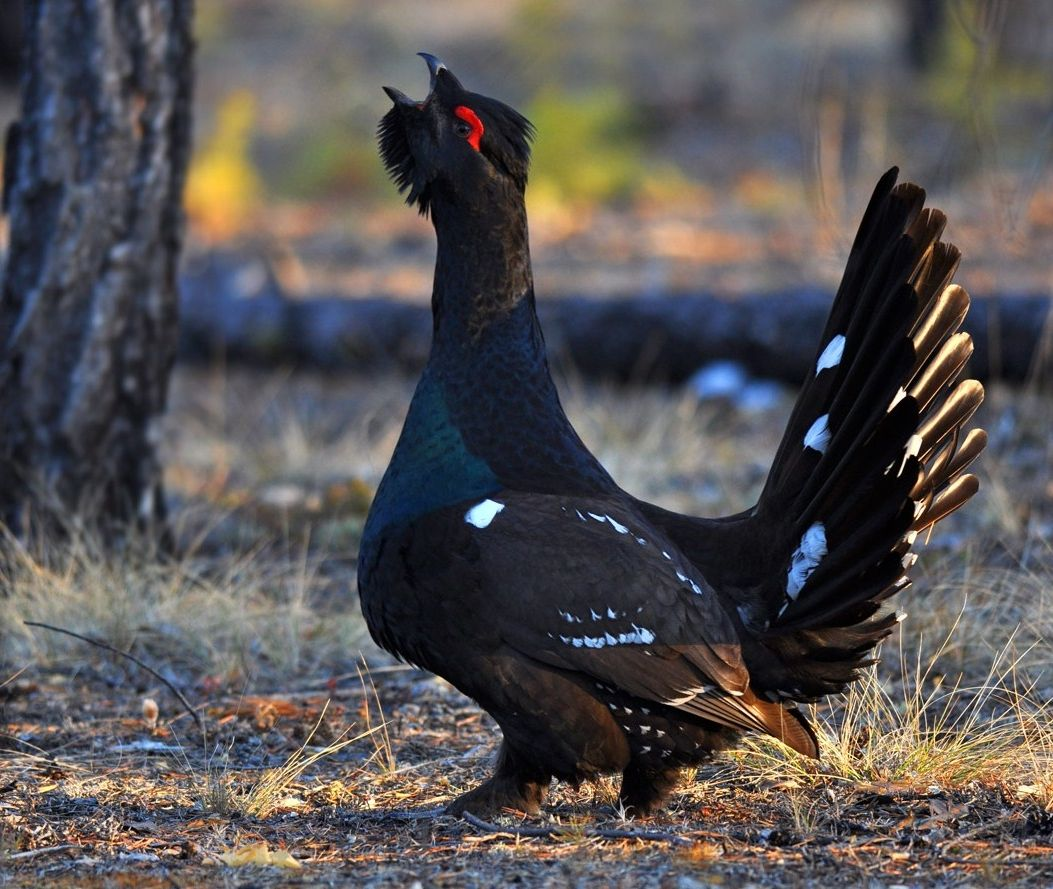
(818, 435)
(912, 449)
(832, 354)
(483, 513)
(805, 558)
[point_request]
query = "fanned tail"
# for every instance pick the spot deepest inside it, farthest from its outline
(874, 453)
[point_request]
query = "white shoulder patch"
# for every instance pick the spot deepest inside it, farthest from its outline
(483, 513)
(832, 354)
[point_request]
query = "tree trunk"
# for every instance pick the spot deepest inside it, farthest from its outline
(94, 175)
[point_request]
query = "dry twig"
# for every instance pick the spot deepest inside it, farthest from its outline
(105, 645)
(36, 853)
(523, 831)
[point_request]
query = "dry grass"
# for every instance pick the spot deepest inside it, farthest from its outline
(941, 754)
(228, 615)
(924, 732)
(271, 790)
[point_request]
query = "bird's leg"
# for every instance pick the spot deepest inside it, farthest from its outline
(644, 790)
(514, 785)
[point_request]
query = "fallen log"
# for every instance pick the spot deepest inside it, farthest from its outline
(241, 314)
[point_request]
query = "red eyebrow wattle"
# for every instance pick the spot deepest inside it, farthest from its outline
(472, 119)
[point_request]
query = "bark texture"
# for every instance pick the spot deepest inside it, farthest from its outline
(94, 176)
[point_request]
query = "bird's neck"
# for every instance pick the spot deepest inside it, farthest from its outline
(486, 414)
(488, 354)
(482, 270)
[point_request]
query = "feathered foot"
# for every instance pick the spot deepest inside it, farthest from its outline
(513, 786)
(645, 790)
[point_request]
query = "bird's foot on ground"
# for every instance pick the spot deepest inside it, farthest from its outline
(645, 791)
(499, 793)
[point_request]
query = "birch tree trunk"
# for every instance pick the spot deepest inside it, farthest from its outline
(94, 174)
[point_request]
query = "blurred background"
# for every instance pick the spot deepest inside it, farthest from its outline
(681, 145)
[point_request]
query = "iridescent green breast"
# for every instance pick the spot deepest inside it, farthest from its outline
(431, 466)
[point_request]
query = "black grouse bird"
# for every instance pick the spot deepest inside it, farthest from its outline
(602, 633)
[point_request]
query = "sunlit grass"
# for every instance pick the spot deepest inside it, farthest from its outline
(229, 616)
(272, 789)
(927, 731)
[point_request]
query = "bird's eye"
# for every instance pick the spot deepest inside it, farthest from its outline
(468, 125)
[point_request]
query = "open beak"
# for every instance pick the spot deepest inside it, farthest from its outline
(398, 97)
(435, 65)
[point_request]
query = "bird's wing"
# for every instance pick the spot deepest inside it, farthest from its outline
(587, 585)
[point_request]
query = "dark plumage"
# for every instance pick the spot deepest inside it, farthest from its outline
(602, 633)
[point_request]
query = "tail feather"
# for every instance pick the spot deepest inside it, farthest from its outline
(943, 368)
(953, 497)
(953, 458)
(936, 275)
(891, 210)
(937, 323)
(870, 459)
(874, 452)
(957, 410)
(962, 459)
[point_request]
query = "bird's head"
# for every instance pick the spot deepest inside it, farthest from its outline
(454, 144)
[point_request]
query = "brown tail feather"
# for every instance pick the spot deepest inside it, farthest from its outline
(944, 367)
(955, 412)
(953, 497)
